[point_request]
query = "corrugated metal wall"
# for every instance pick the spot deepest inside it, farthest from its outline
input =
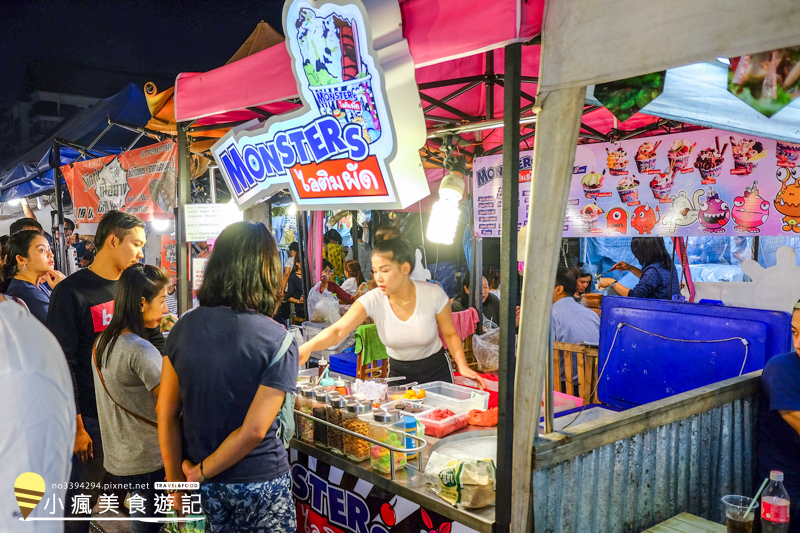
(632, 484)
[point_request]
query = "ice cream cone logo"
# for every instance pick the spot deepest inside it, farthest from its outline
(28, 489)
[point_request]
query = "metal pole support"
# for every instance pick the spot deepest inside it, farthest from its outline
(184, 198)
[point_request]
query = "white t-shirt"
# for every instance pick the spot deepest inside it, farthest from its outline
(350, 286)
(417, 337)
(289, 263)
(38, 416)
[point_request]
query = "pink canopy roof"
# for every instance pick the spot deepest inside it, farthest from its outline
(437, 31)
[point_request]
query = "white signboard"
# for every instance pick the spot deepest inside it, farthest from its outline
(198, 272)
(206, 221)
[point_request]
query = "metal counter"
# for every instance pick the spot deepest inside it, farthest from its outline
(409, 483)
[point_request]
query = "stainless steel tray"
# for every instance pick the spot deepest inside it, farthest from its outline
(480, 444)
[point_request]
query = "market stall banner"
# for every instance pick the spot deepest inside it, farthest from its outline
(767, 81)
(487, 187)
(330, 500)
(683, 184)
(142, 182)
(342, 147)
(169, 256)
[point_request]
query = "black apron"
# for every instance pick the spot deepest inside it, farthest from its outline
(435, 367)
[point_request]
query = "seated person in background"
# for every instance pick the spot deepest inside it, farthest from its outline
(493, 278)
(583, 279)
(779, 420)
(571, 322)
(355, 278)
(491, 303)
(326, 284)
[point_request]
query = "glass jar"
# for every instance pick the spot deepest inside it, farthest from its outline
(305, 425)
(388, 428)
(319, 410)
(354, 448)
(335, 412)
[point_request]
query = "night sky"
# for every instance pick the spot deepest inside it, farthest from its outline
(143, 36)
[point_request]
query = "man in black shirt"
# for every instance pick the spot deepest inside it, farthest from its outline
(80, 309)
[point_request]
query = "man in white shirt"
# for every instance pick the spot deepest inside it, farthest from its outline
(37, 416)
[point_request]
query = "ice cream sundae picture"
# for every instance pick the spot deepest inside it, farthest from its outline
(646, 157)
(617, 162)
(337, 76)
(746, 155)
(661, 185)
(628, 189)
(678, 154)
(592, 183)
(787, 153)
(709, 162)
(590, 214)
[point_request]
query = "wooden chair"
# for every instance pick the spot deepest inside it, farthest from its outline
(587, 358)
(375, 369)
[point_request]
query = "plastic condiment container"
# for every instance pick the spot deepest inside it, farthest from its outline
(319, 409)
(387, 427)
(354, 448)
(341, 386)
(410, 424)
(336, 410)
(327, 382)
(305, 425)
(322, 366)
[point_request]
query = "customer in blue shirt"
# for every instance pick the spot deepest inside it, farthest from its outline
(572, 322)
(222, 388)
(30, 270)
(658, 278)
(779, 420)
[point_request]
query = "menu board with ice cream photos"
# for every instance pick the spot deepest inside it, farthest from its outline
(706, 182)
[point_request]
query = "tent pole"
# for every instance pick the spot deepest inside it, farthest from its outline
(62, 242)
(302, 240)
(212, 183)
(559, 114)
(354, 233)
(509, 281)
(184, 198)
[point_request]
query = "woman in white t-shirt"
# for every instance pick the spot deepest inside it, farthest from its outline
(408, 315)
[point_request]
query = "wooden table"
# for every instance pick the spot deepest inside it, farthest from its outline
(685, 523)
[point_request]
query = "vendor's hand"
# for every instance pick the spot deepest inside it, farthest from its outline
(52, 278)
(467, 372)
(602, 283)
(324, 278)
(622, 265)
(517, 316)
(83, 445)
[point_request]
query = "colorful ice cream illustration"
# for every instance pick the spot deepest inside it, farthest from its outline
(590, 214)
(787, 201)
(28, 489)
(646, 157)
(787, 152)
(709, 161)
(750, 210)
(337, 77)
(684, 210)
(617, 221)
(628, 189)
(714, 213)
(617, 162)
(678, 154)
(645, 218)
(592, 182)
(661, 185)
(746, 155)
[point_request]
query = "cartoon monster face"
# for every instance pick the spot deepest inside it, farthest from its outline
(645, 218)
(617, 221)
(714, 212)
(684, 212)
(787, 201)
(750, 210)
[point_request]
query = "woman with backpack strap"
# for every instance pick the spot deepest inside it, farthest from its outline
(228, 372)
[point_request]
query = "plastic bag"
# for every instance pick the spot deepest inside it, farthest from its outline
(486, 349)
(323, 306)
(462, 482)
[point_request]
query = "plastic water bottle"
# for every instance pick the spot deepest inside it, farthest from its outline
(775, 505)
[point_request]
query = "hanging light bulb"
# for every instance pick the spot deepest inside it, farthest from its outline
(446, 213)
(160, 224)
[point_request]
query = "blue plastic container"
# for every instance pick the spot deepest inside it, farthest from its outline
(344, 363)
(664, 348)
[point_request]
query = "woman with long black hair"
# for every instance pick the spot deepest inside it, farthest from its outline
(127, 375)
(658, 278)
(227, 373)
(30, 271)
